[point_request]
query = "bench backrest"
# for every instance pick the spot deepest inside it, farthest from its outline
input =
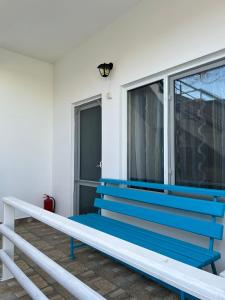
(128, 190)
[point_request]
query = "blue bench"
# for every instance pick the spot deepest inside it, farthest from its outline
(173, 201)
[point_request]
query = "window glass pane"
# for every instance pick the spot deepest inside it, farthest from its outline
(145, 133)
(87, 196)
(200, 129)
(90, 143)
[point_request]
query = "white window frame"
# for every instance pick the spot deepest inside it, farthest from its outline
(124, 118)
(168, 110)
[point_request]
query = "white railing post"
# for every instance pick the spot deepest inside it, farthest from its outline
(191, 280)
(7, 246)
(222, 274)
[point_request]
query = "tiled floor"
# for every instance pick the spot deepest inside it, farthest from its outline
(109, 278)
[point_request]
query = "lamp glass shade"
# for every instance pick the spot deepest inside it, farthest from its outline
(105, 69)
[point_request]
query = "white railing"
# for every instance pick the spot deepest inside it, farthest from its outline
(198, 283)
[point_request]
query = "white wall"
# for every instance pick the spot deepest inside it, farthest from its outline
(26, 99)
(152, 37)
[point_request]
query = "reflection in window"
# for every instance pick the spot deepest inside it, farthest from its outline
(200, 129)
(145, 133)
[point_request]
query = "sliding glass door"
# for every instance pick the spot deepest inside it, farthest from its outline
(192, 132)
(199, 127)
(145, 133)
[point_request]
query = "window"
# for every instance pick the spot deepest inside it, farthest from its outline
(199, 128)
(145, 133)
(195, 150)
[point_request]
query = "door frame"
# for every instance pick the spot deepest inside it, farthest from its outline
(77, 107)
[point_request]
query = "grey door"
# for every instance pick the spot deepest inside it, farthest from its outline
(88, 144)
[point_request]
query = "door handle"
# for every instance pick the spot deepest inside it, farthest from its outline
(99, 165)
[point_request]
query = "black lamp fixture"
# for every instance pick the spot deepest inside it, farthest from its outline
(105, 69)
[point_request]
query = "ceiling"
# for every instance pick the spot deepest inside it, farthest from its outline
(47, 29)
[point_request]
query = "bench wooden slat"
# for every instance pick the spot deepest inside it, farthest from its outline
(168, 187)
(188, 204)
(173, 242)
(141, 242)
(144, 237)
(190, 224)
(138, 237)
(154, 194)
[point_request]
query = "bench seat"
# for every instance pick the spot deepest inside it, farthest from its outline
(176, 249)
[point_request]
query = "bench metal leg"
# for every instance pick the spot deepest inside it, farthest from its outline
(214, 268)
(72, 248)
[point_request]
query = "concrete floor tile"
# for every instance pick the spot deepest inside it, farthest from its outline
(106, 276)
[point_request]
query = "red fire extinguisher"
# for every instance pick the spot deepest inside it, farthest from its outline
(49, 203)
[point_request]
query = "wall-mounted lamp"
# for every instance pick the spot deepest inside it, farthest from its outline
(105, 69)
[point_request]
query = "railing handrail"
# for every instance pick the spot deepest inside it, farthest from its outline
(32, 290)
(191, 280)
(74, 286)
(66, 279)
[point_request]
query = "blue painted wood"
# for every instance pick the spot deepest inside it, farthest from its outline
(182, 295)
(184, 203)
(160, 239)
(175, 290)
(190, 224)
(214, 268)
(172, 188)
(72, 255)
(145, 239)
(151, 237)
(171, 247)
